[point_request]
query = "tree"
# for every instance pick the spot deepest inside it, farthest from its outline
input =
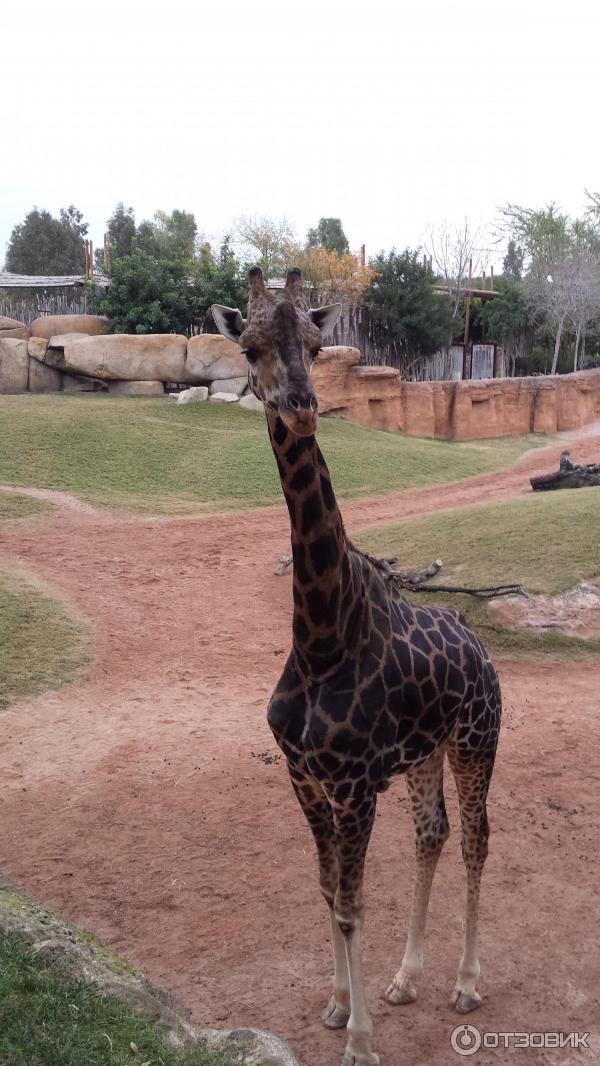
(546, 237)
(405, 311)
(168, 236)
(148, 295)
(42, 244)
(121, 231)
(271, 242)
(331, 277)
(454, 256)
(330, 235)
(509, 319)
(512, 266)
(219, 279)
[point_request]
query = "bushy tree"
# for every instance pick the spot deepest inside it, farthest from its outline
(42, 244)
(512, 266)
(219, 279)
(509, 319)
(330, 235)
(404, 309)
(331, 276)
(121, 231)
(269, 242)
(148, 295)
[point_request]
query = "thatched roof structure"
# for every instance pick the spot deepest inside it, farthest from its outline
(34, 281)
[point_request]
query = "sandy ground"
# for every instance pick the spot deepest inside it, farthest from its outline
(148, 801)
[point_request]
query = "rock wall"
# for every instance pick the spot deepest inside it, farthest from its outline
(71, 353)
(453, 410)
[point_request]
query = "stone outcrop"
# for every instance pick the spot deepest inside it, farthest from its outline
(197, 394)
(251, 403)
(211, 357)
(14, 365)
(136, 388)
(43, 378)
(21, 333)
(51, 325)
(37, 348)
(235, 385)
(127, 357)
(224, 397)
(81, 383)
(453, 410)
(10, 323)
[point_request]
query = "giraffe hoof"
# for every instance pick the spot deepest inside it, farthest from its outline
(360, 1060)
(464, 1002)
(400, 994)
(334, 1016)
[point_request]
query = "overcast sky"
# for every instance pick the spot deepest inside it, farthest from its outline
(392, 116)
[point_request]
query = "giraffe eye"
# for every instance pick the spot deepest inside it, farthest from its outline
(250, 354)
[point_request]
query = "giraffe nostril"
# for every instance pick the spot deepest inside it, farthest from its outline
(293, 401)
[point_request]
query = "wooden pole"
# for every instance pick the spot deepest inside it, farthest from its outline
(491, 277)
(91, 260)
(466, 336)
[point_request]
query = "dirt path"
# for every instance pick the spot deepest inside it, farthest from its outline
(149, 804)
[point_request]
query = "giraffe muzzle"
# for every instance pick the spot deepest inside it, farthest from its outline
(300, 413)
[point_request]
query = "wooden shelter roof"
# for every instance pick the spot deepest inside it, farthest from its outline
(35, 281)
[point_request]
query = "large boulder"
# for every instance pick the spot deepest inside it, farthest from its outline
(52, 325)
(211, 357)
(43, 378)
(14, 365)
(21, 333)
(10, 323)
(126, 357)
(55, 347)
(197, 394)
(37, 347)
(235, 385)
(136, 388)
(224, 397)
(250, 402)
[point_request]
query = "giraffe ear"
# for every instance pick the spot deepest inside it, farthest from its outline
(325, 318)
(229, 322)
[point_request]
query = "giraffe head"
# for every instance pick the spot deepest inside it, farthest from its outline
(280, 339)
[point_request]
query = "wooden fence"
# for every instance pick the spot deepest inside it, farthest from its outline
(27, 304)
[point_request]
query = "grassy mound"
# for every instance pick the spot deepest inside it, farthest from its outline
(41, 645)
(50, 1017)
(155, 456)
(544, 541)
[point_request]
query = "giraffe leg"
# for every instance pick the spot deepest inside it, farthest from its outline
(472, 777)
(426, 794)
(319, 815)
(353, 831)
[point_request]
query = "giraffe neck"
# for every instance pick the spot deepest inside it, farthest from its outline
(327, 609)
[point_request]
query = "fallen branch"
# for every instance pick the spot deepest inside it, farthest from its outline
(570, 475)
(416, 580)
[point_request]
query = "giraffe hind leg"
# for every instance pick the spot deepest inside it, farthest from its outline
(472, 774)
(426, 794)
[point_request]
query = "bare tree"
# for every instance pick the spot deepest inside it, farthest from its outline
(273, 240)
(454, 253)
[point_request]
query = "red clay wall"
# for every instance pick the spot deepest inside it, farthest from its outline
(453, 410)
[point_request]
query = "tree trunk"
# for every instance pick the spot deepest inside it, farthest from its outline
(577, 336)
(570, 475)
(557, 344)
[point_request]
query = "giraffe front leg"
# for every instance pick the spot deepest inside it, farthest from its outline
(319, 815)
(353, 832)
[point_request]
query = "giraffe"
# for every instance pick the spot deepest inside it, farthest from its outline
(373, 687)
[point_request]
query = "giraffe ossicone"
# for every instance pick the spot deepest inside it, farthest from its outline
(374, 686)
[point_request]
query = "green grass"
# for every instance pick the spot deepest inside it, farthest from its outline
(41, 644)
(49, 1017)
(155, 456)
(14, 506)
(544, 541)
